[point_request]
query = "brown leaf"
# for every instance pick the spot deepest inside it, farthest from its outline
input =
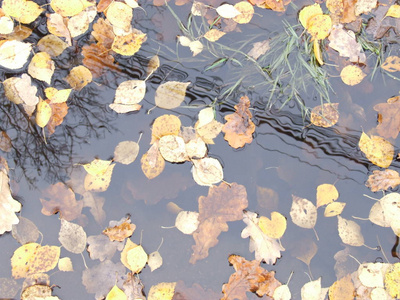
(249, 277)
(97, 59)
(388, 118)
(59, 111)
(224, 203)
(239, 128)
(196, 292)
(383, 180)
(133, 287)
(62, 200)
(103, 33)
(5, 142)
(121, 231)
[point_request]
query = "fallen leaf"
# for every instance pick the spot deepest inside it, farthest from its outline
(227, 11)
(383, 180)
(325, 115)
(19, 33)
(23, 11)
(187, 221)
(377, 215)
(342, 289)
(56, 26)
(312, 290)
(100, 247)
(326, 193)
(392, 280)
(129, 44)
(153, 65)
(97, 59)
(213, 35)
(224, 203)
(305, 250)
(196, 148)
(266, 248)
(372, 274)
(165, 125)
(97, 166)
(196, 292)
(122, 230)
(8, 205)
(391, 210)
(103, 33)
(65, 265)
(21, 259)
(207, 171)
(377, 150)
(364, 6)
(6, 25)
(44, 259)
(334, 209)
(62, 199)
(43, 113)
(133, 287)
(14, 54)
(388, 120)
(52, 45)
(173, 148)
(154, 261)
(25, 231)
(352, 75)
(79, 24)
(393, 11)
(259, 49)
(129, 94)
(274, 227)
(239, 128)
(116, 294)
(249, 277)
(309, 11)
(120, 15)
(72, 237)
(303, 212)
(126, 152)
(318, 52)
(162, 291)
(282, 293)
(209, 131)
(79, 77)
(59, 111)
(5, 142)
(171, 94)
(246, 12)
(391, 64)
(345, 43)
(69, 8)
(136, 259)
(319, 26)
(152, 162)
(350, 232)
(99, 182)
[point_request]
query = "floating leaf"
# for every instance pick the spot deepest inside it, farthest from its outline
(153, 64)
(378, 150)
(43, 113)
(165, 125)
(391, 64)
(246, 12)
(350, 232)
(126, 152)
(116, 294)
(389, 122)
(227, 11)
(155, 260)
(69, 8)
(100, 247)
(6, 25)
(187, 221)
(308, 12)
(372, 274)
(259, 49)
(207, 171)
(342, 289)
(99, 182)
(128, 95)
(56, 26)
(14, 54)
(21, 259)
(72, 237)
(377, 215)
(171, 94)
(97, 166)
(325, 115)
(79, 77)
(393, 11)
(383, 180)
(129, 44)
(282, 293)
(52, 45)
(120, 15)
(79, 24)
(391, 209)
(23, 11)
(162, 291)
(392, 280)
(312, 290)
(121, 231)
(303, 212)
(65, 265)
(352, 75)
(45, 259)
(334, 209)
(344, 41)
(173, 148)
(274, 227)
(152, 162)
(214, 35)
(319, 26)
(25, 231)
(326, 193)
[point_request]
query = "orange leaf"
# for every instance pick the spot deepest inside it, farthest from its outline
(239, 128)
(120, 232)
(59, 111)
(249, 277)
(97, 59)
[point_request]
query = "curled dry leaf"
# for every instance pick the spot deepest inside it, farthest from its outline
(239, 127)
(350, 232)
(171, 94)
(325, 115)
(378, 150)
(207, 171)
(383, 180)
(224, 203)
(248, 277)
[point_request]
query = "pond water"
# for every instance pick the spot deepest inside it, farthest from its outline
(287, 155)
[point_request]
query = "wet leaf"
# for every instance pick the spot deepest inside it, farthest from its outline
(45, 259)
(56, 26)
(133, 287)
(136, 259)
(214, 35)
(59, 111)
(97, 59)
(224, 203)
(308, 12)
(100, 247)
(305, 250)
(152, 162)
(19, 33)
(393, 11)
(317, 52)
(9, 288)
(350, 232)
(69, 8)
(72, 237)
(334, 209)
(227, 11)
(372, 274)
(377, 150)
(162, 291)
(65, 265)
(97, 166)
(196, 148)
(101, 278)
(196, 292)
(319, 26)
(6, 25)
(274, 227)
(43, 113)
(326, 193)
(364, 6)
(266, 248)
(342, 289)
(391, 64)
(325, 115)
(25, 231)
(165, 125)
(352, 75)
(23, 11)
(173, 148)
(21, 259)
(99, 182)
(79, 77)
(171, 94)
(8, 205)
(120, 15)
(128, 94)
(208, 131)
(121, 231)
(246, 12)
(249, 277)
(345, 43)
(282, 293)
(187, 221)
(126, 152)
(392, 280)
(79, 24)
(303, 212)
(129, 44)
(62, 200)
(259, 48)
(52, 45)
(5, 142)
(383, 180)
(239, 127)
(14, 54)
(207, 171)
(155, 260)
(116, 294)
(312, 290)
(153, 65)
(389, 122)
(391, 210)
(103, 33)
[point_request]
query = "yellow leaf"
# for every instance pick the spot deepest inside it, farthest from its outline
(350, 232)
(319, 26)
(52, 44)
(342, 289)
(155, 260)
(65, 264)
(44, 259)
(165, 125)
(352, 75)
(99, 182)
(326, 193)
(308, 12)
(392, 280)
(207, 171)
(274, 227)
(41, 67)
(69, 8)
(128, 44)
(171, 94)
(246, 12)
(116, 294)
(214, 34)
(120, 15)
(21, 259)
(391, 64)
(227, 11)
(6, 25)
(14, 54)
(317, 52)
(303, 212)
(137, 259)
(57, 96)
(187, 221)
(162, 291)
(23, 11)
(43, 113)
(334, 209)
(97, 166)
(79, 77)
(124, 254)
(325, 115)
(173, 148)
(378, 150)
(152, 162)
(126, 152)
(393, 11)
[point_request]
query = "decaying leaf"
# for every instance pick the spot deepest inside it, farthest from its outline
(378, 150)
(325, 115)
(171, 94)
(303, 212)
(326, 193)
(249, 277)
(266, 249)
(72, 237)
(350, 232)
(391, 64)
(79, 77)
(8, 205)
(25, 231)
(259, 49)
(342, 289)
(133, 287)
(239, 127)
(129, 44)
(305, 250)
(173, 148)
(224, 203)
(383, 180)
(162, 290)
(5, 142)
(392, 280)
(120, 231)
(388, 118)
(100, 247)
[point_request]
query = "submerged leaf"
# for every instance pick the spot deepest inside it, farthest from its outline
(171, 94)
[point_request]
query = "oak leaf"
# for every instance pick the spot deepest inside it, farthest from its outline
(249, 277)
(103, 33)
(196, 292)
(120, 231)
(383, 180)
(239, 127)
(224, 203)
(388, 118)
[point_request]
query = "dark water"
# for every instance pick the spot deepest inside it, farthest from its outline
(286, 155)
